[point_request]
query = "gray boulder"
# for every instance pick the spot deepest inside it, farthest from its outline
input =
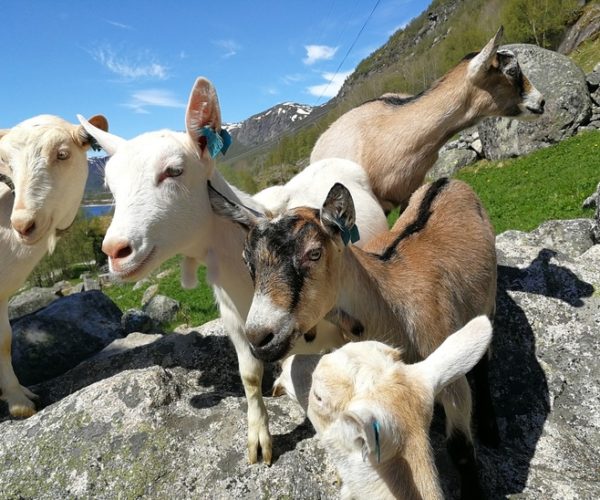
(568, 106)
(60, 336)
(134, 320)
(162, 309)
(149, 293)
(165, 416)
(30, 301)
(451, 161)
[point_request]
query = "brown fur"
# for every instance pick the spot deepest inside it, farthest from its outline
(398, 144)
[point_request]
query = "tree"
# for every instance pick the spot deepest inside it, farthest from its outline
(538, 21)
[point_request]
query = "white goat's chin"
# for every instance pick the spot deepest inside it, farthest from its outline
(134, 271)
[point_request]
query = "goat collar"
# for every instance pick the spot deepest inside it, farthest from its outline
(216, 142)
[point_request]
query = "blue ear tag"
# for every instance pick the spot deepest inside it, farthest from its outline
(348, 234)
(216, 143)
(377, 446)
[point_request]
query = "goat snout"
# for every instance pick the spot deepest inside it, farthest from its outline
(117, 249)
(26, 226)
(267, 346)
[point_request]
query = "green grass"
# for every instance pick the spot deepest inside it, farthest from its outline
(548, 184)
(518, 194)
(197, 305)
(587, 55)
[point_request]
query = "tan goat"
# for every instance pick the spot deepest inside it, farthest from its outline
(397, 140)
(410, 287)
(372, 411)
(46, 159)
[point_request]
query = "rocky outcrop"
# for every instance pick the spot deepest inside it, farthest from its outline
(568, 106)
(30, 301)
(53, 340)
(165, 417)
(586, 27)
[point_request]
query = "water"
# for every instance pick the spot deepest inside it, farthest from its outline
(96, 210)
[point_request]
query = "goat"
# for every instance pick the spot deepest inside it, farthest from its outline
(159, 183)
(46, 159)
(372, 411)
(411, 286)
(397, 140)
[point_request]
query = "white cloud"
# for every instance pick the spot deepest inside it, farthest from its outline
(293, 78)
(332, 85)
(128, 70)
(119, 25)
(230, 47)
(143, 99)
(316, 53)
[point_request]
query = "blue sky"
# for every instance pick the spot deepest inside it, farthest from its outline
(135, 62)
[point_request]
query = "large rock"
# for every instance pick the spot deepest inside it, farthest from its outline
(162, 309)
(451, 161)
(165, 416)
(30, 301)
(568, 106)
(586, 27)
(60, 336)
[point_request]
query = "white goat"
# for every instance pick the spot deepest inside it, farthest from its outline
(159, 182)
(397, 140)
(46, 158)
(411, 286)
(372, 411)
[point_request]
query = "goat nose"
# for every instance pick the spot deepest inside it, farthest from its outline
(542, 104)
(260, 338)
(117, 249)
(23, 226)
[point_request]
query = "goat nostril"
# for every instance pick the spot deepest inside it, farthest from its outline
(267, 340)
(29, 229)
(542, 104)
(123, 252)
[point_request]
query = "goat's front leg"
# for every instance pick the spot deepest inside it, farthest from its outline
(17, 397)
(251, 371)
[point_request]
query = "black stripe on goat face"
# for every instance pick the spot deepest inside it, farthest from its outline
(289, 257)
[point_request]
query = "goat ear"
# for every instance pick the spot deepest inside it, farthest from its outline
(83, 138)
(97, 129)
(482, 61)
(338, 214)
(460, 352)
(3, 132)
(202, 111)
(296, 377)
(361, 430)
(236, 212)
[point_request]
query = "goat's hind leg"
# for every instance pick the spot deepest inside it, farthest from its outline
(457, 402)
(18, 397)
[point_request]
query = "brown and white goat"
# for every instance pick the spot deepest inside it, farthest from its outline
(372, 411)
(46, 159)
(410, 287)
(397, 140)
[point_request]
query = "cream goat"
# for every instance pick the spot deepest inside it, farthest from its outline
(372, 411)
(410, 287)
(397, 140)
(46, 159)
(159, 182)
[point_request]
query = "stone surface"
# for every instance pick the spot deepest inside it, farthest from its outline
(150, 292)
(30, 301)
(451, 161)
(568, 106)
(165, 416)
(586, 28)
(55, 339)
(90, 283)
(134, 320)
(162, 309)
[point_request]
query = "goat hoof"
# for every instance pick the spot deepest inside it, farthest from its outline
(21, 407)
(263, 445)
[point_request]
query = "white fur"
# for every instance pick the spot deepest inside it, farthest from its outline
(48, 192)
(369, 470)
(158, 221)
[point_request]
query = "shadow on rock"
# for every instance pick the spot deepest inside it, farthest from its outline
(519, 386)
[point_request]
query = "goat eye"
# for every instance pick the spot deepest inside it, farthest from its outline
(173, 171)
(314, 254)
(63, 154)
(317, 397)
